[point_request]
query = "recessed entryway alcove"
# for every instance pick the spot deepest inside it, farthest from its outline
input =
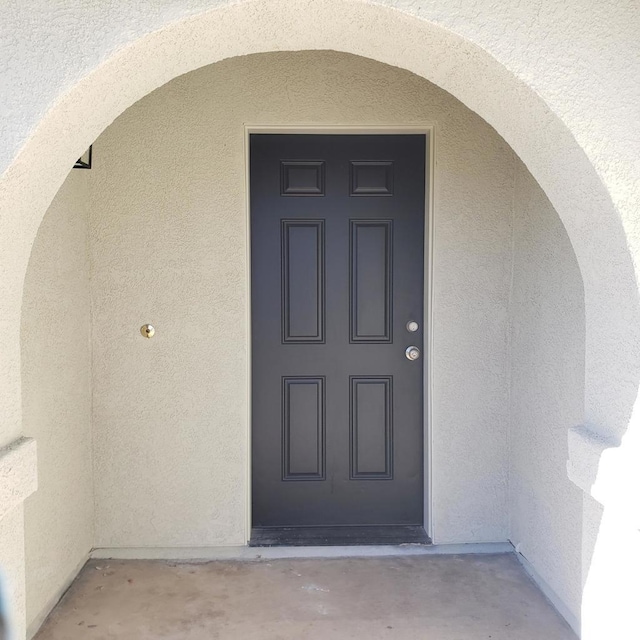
(151, 437)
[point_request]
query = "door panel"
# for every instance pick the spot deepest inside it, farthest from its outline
(370, 294)
(337, 236)
(303, 424)
(371, 428)
(303, 311)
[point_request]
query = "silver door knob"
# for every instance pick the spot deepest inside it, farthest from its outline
(412, 353)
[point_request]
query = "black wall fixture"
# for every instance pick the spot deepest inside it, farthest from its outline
(84, 161)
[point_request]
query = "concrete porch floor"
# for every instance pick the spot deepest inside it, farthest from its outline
(392, 598)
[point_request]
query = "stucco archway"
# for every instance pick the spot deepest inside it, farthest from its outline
(538, 135)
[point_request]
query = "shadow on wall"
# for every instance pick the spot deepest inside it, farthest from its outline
(547, 382)
(56, 396)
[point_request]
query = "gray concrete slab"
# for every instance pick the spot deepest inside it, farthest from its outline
(464, 597)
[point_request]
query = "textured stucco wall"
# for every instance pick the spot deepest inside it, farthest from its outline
(541, 75)
(168, 246)
(56, 387)
(547, 392)
(554, 79)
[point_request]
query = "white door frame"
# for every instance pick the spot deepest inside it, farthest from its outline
(428, 130)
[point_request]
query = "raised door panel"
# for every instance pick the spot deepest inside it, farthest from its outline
(303, 428)
(371, 428)
(371, 277)
(303, 294)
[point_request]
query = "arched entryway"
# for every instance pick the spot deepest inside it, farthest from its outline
(536, 134)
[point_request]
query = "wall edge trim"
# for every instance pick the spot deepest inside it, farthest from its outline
(264, 553)
(36, 624)
(585, 450)
(549, 593)
(606, 470)
(18, 473)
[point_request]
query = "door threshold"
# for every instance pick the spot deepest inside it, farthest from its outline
(338, 536)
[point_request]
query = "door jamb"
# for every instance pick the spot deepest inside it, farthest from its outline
(428, 130)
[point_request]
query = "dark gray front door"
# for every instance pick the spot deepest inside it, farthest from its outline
(337, 242)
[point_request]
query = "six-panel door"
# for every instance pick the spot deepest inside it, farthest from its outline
(337, 238)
